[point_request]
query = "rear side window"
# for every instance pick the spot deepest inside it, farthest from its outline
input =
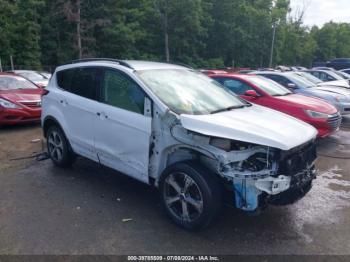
(80, 81)
(121, 91)
(64, 78)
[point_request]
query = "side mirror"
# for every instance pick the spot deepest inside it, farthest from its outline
(291, 86)
(251, 93)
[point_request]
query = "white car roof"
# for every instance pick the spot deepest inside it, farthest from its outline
(147, 65)
(128, 64)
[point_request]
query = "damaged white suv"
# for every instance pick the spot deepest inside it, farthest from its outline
(172, 127)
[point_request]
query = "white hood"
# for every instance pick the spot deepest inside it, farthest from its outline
(340, 83)
(254, 124)
(335, 89)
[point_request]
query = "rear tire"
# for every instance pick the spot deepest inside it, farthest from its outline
(191, 195)
(58, 147)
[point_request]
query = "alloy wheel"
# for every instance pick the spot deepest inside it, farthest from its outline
(55, 146)
(183, 197)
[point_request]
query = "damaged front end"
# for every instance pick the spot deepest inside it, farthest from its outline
(260, 175)
(256, 175)
(262, 160)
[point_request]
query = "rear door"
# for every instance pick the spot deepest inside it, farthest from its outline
(122, 129)
(78, 104)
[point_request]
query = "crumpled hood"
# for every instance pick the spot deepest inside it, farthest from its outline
(341, 83)
(335, 90)
(254, 124)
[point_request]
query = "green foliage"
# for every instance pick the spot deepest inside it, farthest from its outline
(201, 33)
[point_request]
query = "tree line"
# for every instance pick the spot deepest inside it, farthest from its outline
(200, 33)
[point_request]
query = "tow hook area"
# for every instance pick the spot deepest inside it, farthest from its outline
(273, 185)
(247, 191)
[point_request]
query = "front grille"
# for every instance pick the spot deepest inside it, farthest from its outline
(347, 109)
(32, 104)
(334, 121)
(295, 161)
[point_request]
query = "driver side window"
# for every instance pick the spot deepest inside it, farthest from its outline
(235, 85)
(121, 91)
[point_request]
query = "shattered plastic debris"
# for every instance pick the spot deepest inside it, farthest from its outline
(35, 140)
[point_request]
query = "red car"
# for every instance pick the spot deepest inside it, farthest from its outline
(322, 115)
(20, 100)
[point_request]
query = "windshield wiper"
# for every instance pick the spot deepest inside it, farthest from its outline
(227, 109)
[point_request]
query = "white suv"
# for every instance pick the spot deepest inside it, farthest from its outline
(175, 128)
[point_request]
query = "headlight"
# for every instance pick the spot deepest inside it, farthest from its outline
(341, 98)
(338, 98)
(224, 144)
(315, 114)
(7, 104)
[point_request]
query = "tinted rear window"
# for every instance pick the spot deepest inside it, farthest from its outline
(80, 81)
(64, 78)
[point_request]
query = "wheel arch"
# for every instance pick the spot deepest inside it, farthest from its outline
(48, 122)
(183, 153)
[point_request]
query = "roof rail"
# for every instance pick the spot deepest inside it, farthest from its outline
(84, 60)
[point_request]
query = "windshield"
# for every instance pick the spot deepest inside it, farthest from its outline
(309, 77)
(335, 75)
(45, 74)
(189, 92)
(300, 81)
(15, 82)
(32, 76)
(344, 75)
(269, 86)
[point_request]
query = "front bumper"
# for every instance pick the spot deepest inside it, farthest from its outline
(249, 194)
(291, 182)
(300, 185)
(325, 127)
(344, 108)
(17, 116)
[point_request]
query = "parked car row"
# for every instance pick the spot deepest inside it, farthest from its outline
(197, 138)
(322, 115)
(40, 78)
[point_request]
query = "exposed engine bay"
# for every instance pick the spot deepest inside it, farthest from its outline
(256, 175)
(263, 175)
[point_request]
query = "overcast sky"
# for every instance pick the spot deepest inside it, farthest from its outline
(319, 12)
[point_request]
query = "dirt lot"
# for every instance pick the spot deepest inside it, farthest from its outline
(46, 210)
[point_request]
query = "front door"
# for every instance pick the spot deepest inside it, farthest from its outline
(122, 131)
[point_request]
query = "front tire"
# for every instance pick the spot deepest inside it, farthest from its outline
(58, 147)
(191, 195)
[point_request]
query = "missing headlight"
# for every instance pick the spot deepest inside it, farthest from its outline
(224, 144)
